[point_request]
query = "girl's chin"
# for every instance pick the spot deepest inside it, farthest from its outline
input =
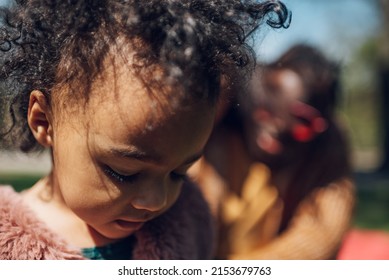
(128, 226)
(113, 232)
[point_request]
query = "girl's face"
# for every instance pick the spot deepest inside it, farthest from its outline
(121, 159)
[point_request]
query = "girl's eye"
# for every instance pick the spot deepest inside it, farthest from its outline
(120, 177)
(177, 176)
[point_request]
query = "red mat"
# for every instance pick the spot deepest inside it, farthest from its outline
(365, 245)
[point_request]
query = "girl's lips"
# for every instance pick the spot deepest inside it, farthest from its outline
(129, 226)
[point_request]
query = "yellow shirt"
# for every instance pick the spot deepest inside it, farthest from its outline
(249, 223)
(246, 220)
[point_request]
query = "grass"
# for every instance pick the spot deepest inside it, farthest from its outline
(19, 181)
(372, 209)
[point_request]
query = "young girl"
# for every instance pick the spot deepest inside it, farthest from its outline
(113, 89)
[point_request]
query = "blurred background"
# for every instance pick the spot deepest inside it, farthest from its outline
(355, 33)
(352, 32)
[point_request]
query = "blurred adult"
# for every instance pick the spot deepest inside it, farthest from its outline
(276, 170)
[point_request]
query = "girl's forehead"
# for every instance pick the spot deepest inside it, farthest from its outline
(119, 90)
(123, 108)
(120, 86)
(128, 109)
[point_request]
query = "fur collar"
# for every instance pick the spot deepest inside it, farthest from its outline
(184, 232)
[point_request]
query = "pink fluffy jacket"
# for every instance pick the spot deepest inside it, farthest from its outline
(183, 232)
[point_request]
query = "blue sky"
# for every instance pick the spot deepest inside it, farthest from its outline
(335, 26)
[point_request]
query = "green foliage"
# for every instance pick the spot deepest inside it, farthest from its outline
(362, 102)
(373, 205)
(19, 181)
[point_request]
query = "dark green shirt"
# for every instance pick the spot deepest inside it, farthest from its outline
(121, 250)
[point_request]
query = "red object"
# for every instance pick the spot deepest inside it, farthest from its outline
(313, 124)
(302, 133)
(365, 245)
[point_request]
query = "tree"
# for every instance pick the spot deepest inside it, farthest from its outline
(383, 74)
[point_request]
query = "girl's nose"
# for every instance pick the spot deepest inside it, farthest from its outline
(152, 197)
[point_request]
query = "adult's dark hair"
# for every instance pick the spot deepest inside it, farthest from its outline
(47, 43)
(325, 159)
(319, 75)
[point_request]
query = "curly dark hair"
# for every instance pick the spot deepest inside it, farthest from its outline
(320, 76)
(46, 43)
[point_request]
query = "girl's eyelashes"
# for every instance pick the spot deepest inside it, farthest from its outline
(120, 177)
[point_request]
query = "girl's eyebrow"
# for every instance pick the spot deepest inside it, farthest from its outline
(134, 153)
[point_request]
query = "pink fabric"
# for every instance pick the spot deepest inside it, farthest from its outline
(183, 232)
(365, 245)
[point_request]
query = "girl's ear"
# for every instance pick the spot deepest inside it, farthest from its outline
(38, 118)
